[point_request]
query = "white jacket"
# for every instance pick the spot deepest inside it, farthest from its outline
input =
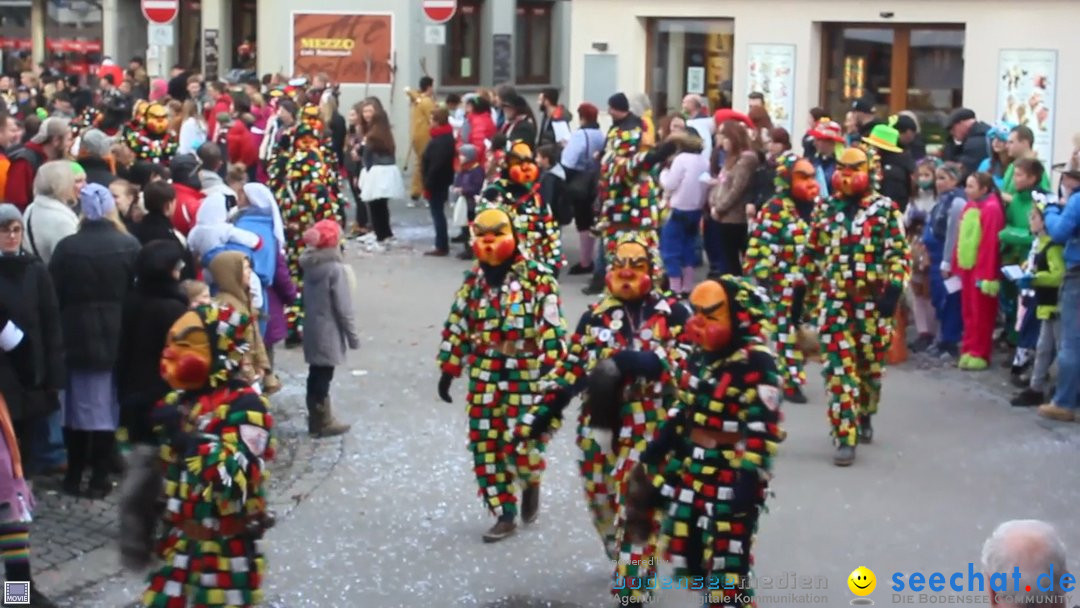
(48, 221)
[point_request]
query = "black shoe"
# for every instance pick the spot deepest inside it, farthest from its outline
(530, 503)
(796, 396)
(72, 485)
(579, 269)
(461, 238)
(595, 287)
(466, 255)
(921, 343)
(293, 342)
(845, 456)
(1027, 398)
(866, 430)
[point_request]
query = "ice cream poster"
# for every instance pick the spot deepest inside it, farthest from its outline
(1027, 88)
(772, 73)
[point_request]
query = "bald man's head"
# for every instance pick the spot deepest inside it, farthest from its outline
(1035, 548)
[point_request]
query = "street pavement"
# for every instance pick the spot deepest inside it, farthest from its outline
(390, 517)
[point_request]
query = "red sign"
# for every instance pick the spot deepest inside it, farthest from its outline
(160, 11)
(439, 11)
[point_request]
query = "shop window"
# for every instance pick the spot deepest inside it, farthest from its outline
(243, 34)
(461, 53)
(903, 67)
(533, 30)
(689, 56)
(15, 38)
(190, 42)
(73, 33)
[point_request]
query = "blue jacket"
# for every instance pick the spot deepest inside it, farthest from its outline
(264, 259)
(1063, 226)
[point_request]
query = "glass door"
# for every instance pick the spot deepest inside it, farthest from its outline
(858, 65)
(689, 56)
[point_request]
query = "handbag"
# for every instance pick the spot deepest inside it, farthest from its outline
(461, 212)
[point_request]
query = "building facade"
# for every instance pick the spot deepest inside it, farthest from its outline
(1004, 59)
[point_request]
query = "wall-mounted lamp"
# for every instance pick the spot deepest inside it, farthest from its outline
(600, 46)
(887, 14)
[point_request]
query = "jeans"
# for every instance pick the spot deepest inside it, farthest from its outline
(947, 306)
(724, 246)
(600, 264)
(1068, 375)
(50, 451)
(318, 381)
(678, 241)
(437, 204)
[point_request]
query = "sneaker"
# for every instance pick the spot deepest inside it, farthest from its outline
(974, 364)
(1056, 412)
(866, 430)
(1027, 398)
(499, 531)
(949, 351)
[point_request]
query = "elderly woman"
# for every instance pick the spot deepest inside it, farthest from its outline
(90, 314)
(50, 217)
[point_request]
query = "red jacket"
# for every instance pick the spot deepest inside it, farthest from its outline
(223, 104)
(241, 145)
(481, 128)
(188, 201)
(20, 178)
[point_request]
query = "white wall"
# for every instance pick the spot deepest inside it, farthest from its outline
(990, 26)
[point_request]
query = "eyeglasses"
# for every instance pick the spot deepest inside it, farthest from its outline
(15, 230)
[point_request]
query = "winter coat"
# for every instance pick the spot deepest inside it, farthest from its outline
(481, 132)
(972, 150)
(26, 290)
(25, 162)
(97, 170)
(47, 221)
(437, 164)
(188, 201)
(150, 308)
(241, 146)
(522, 129)
(329, 324)
(729, 198)
(470, 179)
(282, 293)
(228, 270)
(547, 127)
(212, 230)
(93, 271)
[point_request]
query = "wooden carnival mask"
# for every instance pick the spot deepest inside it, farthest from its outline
(520, 164)
(630, 276)
(156, 119)
(310, 116)
(711, 325)
(804, 185)
(186, 360)
(852, 177)
(493, 237)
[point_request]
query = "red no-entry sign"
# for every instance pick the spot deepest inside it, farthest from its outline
(440, 11)
(160, 11)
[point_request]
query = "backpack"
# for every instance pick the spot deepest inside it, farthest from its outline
(581, 188)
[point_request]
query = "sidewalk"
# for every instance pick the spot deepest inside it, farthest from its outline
(73, 540)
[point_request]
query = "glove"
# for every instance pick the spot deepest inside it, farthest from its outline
(886, 304)
(798, 301)
(640, 364)
(662, 152)
(990, 288)
(444, 387)
(1025, 281)
(554, 404)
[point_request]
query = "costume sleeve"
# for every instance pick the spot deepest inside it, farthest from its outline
(455, 340)
(570, 372)
(231, 462)
(760, 418)
(896, 250)
(1061, 226)
(952, 230)
(1055, 259)
(988, 260)
(762, 250)
(244, 237)
(812, 259)
(1016, 238)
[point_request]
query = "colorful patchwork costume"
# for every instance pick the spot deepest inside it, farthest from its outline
(857, 254)
(308, 194)
(709, 467)
(518, 189)
(623, 343)
(505, 325)
(773, 259)
(215, 435)
(149, 136)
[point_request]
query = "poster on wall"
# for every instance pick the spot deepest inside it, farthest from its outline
(772, 73)
(695, 80)
(352, 48)
(211, 55)
(502, 58)
(1027, 90)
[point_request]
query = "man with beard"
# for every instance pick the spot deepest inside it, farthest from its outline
(623, 350)
(505, 325)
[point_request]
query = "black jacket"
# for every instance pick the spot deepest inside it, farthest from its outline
(437, 165)
(93, 271)
(155, 227)
(97, 171)
(897, 169)
(26, 290)
(149, 310)
(338, 130)
(972, 150)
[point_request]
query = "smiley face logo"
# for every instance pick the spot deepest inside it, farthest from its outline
(862, 581)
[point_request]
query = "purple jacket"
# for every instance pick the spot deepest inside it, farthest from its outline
(282, 291)
(471, 181)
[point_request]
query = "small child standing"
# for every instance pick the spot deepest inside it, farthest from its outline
(1044, 276)
(553, 183)
(468, 182)
(926, 195)
(939, 236)
(922, 307)
(197, 292)
(329, 325)
(977, 261)
(1017, 241)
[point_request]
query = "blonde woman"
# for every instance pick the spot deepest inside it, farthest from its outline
(192, 128)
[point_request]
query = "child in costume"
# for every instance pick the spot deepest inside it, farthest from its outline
(505, 324)
(625, 341)
(331, 326)
(709, 467)
(939, 237)
(1016, 243)
(857, 256)
(232, 279)
(773, 258)
(977, 261)
(215, 436)
(922, 307)
(1045, 272)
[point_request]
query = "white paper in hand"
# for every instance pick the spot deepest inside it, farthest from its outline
(1013, 272)
(953, 284)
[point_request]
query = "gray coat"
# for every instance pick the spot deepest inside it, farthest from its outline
(329, 326)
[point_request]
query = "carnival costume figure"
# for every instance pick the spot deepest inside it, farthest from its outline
(215, 435)
(307, 195)
(517, 188)
(149, 136)
(857, 255)
(709, 467)
(622, 355)
(505, 326)
(773, 259)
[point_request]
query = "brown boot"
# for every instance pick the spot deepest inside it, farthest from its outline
(321, 422)
(271, 384)
(501, 529)
(530, 503)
